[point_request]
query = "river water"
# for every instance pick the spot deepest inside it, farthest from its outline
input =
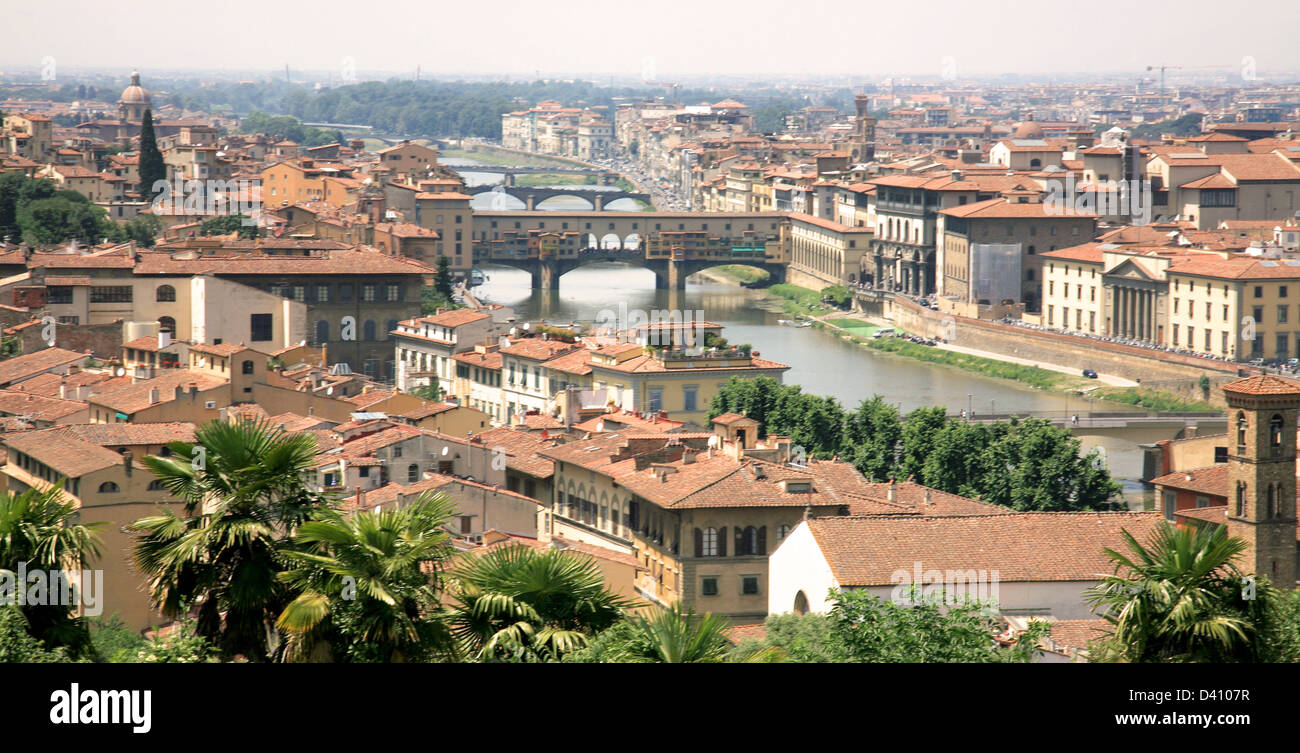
(821, 363)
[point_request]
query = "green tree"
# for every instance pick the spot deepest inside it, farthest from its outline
(1034, 466)
(431, 392)
(39, 531)
(672, 636)
(17, 646)
(244, 493)
(46, 222)
(871, 629)
(227, 224)
(442, 279)
(367, 582)
(919, 431)
(755, 398)
(515, 603)
(804, 638)
(871, 437)
(152, 168)
(1180, 597)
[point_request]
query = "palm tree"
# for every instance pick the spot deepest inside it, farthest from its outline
(244, 492)
(674, 635)
(367, 583)
(518, 603)
(39, 530)
(1180, 598)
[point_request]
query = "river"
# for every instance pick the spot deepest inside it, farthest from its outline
(821, 363)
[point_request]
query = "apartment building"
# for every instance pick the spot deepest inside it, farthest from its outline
(99, 469)
(968, 235)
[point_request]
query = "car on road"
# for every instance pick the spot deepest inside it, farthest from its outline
(1090, 373)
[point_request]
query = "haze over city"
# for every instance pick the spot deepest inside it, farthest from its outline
(775, 38)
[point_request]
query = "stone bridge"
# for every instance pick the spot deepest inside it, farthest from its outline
(532, 196)
(603, 177)
(673, 245)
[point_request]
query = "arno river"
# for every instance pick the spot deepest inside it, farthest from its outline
(820, 362)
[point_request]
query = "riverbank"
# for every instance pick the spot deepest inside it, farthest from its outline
(858, 329)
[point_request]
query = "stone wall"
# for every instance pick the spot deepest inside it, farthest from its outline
(1067, 350)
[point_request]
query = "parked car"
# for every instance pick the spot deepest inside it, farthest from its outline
(1090, 373)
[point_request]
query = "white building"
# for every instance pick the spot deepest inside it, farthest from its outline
(1032, 564)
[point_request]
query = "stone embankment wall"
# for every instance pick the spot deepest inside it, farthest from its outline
(1175, 373)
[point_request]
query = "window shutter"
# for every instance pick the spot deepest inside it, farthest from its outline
(722, 541)
(762, 540)
(699, 543)
(740, 541)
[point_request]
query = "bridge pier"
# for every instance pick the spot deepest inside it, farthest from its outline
(509, 180)
(598, 202)
(530, 202)
(546, 276)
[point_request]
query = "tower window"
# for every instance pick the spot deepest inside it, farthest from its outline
(1275, 435)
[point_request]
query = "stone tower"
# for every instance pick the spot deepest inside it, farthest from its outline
(1262, 413)
(864, 137)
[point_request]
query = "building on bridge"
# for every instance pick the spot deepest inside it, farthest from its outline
(673, 245)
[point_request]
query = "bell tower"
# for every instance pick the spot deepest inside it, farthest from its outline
(1262, 414)
(863, 148)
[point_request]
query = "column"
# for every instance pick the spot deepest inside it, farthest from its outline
(1123, 311)
(1151, 316)
(1141, 315)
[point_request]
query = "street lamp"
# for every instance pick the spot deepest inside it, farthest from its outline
(970, 402)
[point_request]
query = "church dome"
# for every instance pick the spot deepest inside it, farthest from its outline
(135, 94)
(1030, 129)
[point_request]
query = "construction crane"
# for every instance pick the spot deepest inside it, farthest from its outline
(1162, 76)
(1162, 69)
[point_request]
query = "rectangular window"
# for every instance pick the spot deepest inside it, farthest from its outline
(656, 401)
(749, 585)
(690, 394)
(322, 293)
(1281, 314)
(300, 292)
(708, 586)
(111, 294)
(345, 292)
(58, 294)
(367, 292)
(259, 326)
(393, 292)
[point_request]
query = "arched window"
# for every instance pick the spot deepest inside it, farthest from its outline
(165, 294)
(1035, 162)
(108, 487)
(1275, 434)
(413, 472)
(782, 531)
(368, 332)
(247, 367)
(167, 324)
(800, 603)
(709, 542)
(748, 541)
(156, 486)
(1241, 431)
(322, 331)
(389, 327)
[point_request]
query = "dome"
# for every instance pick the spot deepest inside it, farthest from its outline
(134, 94)
(1029, 129)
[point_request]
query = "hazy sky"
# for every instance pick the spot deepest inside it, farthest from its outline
(663, 39)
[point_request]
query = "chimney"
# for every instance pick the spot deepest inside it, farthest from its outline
(927, 496)
(127, 457)
(63, 391)
(194, 390)
(180, 392)
(153, 395)
(893, 491)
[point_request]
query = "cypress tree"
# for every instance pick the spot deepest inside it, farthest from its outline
(152, 168)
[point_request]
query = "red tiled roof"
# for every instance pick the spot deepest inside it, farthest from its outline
(1022, 547)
